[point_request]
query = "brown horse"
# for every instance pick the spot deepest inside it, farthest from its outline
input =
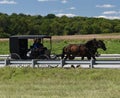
(93, 46)
(73, 50)
(88, 49)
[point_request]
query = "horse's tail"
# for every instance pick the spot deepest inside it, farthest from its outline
(63, 52)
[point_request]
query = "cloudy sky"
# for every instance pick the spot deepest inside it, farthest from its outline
(88, 8)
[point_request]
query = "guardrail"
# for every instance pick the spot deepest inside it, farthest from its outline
(4, 56)
(101, 56)
(110, 61)
(61, 63)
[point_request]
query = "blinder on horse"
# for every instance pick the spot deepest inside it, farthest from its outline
(101, 45)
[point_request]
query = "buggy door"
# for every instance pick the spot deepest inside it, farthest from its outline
(23, 47)
(19, 47)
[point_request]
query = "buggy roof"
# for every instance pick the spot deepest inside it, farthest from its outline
(30, 36)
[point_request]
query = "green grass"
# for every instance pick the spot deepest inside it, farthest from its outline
(4, 47)
(113, 46)
(59, 83)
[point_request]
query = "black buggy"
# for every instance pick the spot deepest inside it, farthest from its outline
(20, 49)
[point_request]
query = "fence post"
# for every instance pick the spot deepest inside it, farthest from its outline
(92, 62)
(33, 63)
(62, 62)
(7, 62)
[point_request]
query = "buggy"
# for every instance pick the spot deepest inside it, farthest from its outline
(20, 49)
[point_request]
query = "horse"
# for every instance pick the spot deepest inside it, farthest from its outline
(73, 50)
(93, 46)
(89, 49)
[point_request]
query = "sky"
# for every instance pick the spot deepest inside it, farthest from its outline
(86, 8)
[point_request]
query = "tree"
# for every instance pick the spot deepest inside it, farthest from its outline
(117, 28)
(50, 16)
(22, 24)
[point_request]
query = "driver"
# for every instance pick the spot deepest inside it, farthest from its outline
(38, 46)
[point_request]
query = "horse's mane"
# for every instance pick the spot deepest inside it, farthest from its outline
(90, 43)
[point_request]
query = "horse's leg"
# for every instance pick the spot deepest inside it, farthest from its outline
(82, 58)
(66, 56)
(62, 56)
(63, 53)
(88, 57)
(91, 55)
(71, 57)
(94, 57)
(97, 54)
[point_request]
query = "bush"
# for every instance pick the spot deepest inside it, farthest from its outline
(4, 35)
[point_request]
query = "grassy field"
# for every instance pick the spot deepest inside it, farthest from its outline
(59, 83)
(113, 46)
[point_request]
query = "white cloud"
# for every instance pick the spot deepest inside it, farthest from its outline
(46, 0)
(58, 11)
(68, 15)
(8, 2)
(64, 10)
(105, 6)
(64, 1)
(72, 8)
(108, 17)
(110, 12)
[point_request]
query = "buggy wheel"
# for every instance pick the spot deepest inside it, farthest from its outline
(14, 56)
(53, 56)
(45, 57)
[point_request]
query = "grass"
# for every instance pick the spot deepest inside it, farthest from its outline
(59, 83)
(112, 45)
(28, 82)
(4, 47)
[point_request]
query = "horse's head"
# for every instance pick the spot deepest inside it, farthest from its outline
(101, 44)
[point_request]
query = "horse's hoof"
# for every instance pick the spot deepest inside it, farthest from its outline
(72, 66)
(77, 66)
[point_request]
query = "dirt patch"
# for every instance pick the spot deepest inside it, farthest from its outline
(85, 37)
(3, 39)
(81, 37)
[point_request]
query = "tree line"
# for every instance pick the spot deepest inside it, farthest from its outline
(22, 24)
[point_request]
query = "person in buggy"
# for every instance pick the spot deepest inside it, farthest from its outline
(37, 50)
(38, 46)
